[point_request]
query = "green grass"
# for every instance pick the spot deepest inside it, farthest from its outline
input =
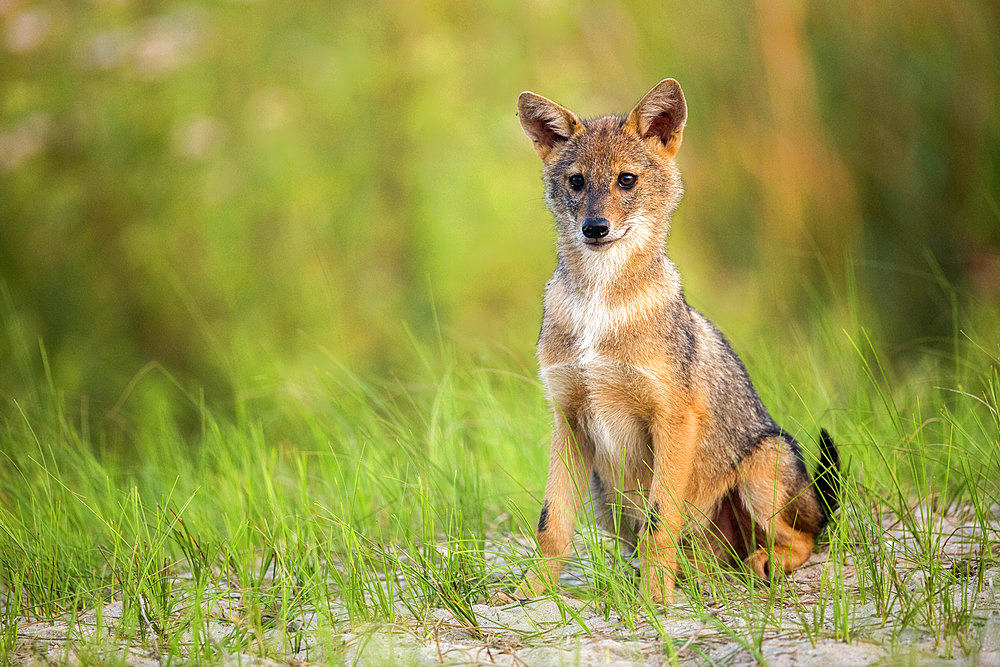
(358, 501)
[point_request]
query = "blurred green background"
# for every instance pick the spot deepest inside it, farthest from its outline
(234, 190)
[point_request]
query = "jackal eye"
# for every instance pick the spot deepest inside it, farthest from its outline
(576, 181)
(626, 180)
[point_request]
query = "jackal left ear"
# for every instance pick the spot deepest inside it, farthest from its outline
(660, 117)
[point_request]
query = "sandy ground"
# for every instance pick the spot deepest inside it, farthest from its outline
(569, 631)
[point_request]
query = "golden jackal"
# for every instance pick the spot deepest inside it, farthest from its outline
(652, 407)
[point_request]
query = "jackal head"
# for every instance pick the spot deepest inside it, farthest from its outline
(610, 182)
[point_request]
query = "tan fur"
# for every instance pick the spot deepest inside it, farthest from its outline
(652, 409)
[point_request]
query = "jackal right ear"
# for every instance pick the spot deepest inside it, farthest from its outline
(547, 124)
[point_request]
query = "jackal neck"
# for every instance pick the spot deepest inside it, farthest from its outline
(620, 275)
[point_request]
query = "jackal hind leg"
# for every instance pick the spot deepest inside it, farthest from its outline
(781, 502)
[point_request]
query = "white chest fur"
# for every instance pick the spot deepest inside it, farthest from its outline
(592, 321)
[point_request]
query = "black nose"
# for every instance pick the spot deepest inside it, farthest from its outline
(596, 228)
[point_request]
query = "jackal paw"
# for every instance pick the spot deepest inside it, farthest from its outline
(501, 598)
(659, 591)
(760, 562)
(528, 589)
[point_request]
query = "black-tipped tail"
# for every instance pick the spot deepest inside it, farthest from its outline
(827, 477)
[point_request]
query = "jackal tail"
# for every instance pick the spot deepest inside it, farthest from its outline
(827, 478)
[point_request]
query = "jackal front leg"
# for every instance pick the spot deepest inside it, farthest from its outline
(569, 472)
(674, 440)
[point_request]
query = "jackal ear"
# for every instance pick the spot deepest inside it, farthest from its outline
(547, 124)
(660, 116)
